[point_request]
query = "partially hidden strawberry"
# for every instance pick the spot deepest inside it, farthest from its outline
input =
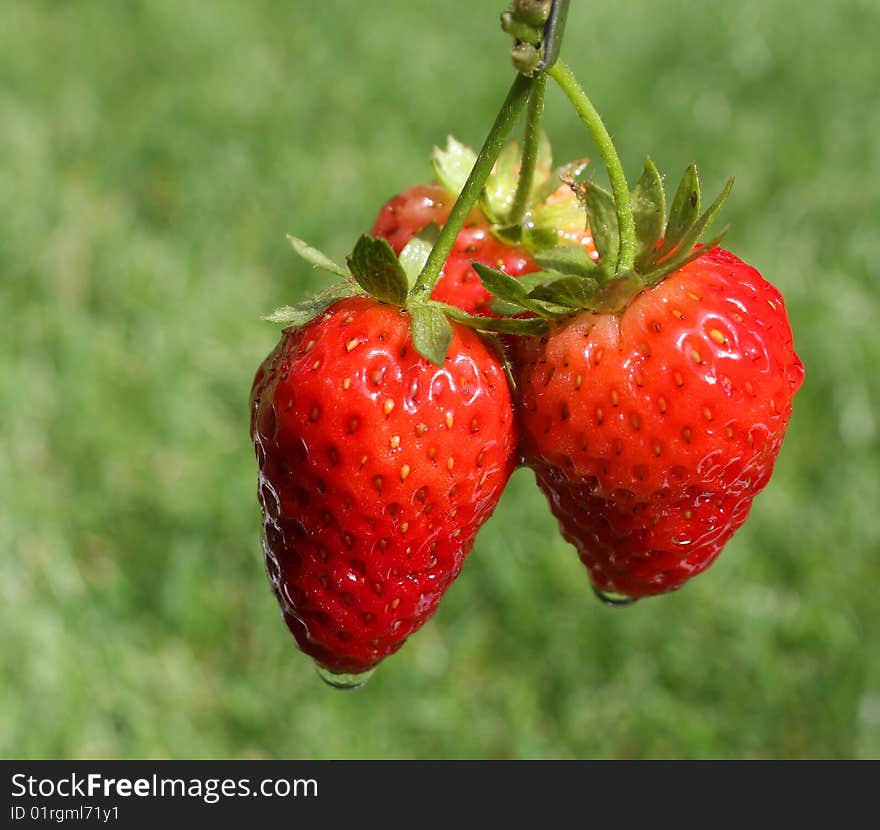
(377, 466)
(554, 217)
(653, 410)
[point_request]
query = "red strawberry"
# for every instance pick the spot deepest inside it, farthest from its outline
(404, 216)
(653, 410)
(652, 431)
(377, 468)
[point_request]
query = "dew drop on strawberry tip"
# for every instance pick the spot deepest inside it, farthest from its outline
(342, 681)
(611, 599)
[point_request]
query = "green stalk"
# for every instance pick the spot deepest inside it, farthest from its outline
(530, 152)
(510, 110)
(619, 187)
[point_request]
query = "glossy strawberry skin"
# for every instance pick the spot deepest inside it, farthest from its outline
(652, 431)
(376, 469)
(408, 213)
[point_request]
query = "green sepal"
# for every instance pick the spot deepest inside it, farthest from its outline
(526, 326)
(682, 259)
(649, 211)
(566, 174)
(566, 213)
(616, 294)
(535, 278)
(602, 219)
(532, 238)
(684, 210)
(499, 284)
(317, 258)
(502, 308)
(500, 190)
(567, 259)
(453, 165)
(306, 311)
(415, 253)
(544, 158)
(698, 228)
(567, 292)
(512, 290)
(508, 234)
(536, 239)
(431, 331)
(377, 270)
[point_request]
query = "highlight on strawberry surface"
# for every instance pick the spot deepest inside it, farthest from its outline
(514, 312)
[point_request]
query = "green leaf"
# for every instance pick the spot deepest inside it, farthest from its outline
(567, 259)
(317, 258)
(453, 165)
(500, 190)
(431, 332)
(567, 291)
(306, 311)
(602, 219)
(415, 254)
(378, 271)
(649, 212)
(684, 210)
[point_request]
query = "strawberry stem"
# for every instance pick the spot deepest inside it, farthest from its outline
(510, 110)
(553, 32)
(530, 152)
(620, 189)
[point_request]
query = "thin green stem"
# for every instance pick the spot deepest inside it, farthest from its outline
(619, 188)
(510, 110)
(531, 143)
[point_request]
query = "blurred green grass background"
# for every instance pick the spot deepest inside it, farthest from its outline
(152, 157)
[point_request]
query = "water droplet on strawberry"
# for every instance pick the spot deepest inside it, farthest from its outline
(343, 682)
(611, 599)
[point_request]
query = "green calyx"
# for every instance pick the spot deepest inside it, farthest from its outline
(572, 282)
(408, 280)
(373, 269)
(538, 227)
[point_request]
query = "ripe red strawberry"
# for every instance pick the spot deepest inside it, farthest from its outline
(555, 209)
(653, 411)
(377, 468)
(651, 431)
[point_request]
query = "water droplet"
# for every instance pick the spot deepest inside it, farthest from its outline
(613, 600)
(341, 680)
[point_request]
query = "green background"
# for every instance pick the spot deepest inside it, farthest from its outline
(152, 157)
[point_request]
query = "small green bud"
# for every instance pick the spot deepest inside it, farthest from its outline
(532, 12)
(519, 30)
(526, 58)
